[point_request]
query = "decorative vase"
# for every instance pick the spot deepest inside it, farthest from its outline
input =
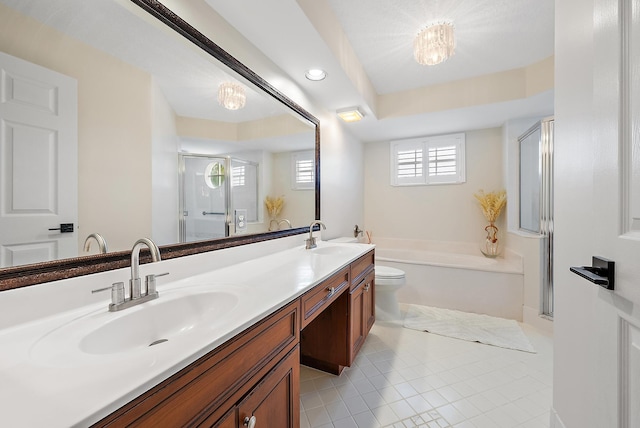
(490, 246)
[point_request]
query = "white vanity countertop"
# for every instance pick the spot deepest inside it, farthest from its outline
(47, 380)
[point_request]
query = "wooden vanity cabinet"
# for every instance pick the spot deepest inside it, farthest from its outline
(332, 338)
(205, 392)
(273, 402)
(257, 372)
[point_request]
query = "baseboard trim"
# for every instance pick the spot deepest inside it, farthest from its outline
(554, 420)
(532, 317)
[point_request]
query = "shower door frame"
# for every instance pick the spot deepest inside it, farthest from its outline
(546, 225)
(182, 224)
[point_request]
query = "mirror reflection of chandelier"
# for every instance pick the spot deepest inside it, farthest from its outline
(434, 44)
(231, 95)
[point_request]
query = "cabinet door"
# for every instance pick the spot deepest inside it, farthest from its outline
(362, 314)
(369, 311)
(357, 328)
(275, 401)
(227, 421)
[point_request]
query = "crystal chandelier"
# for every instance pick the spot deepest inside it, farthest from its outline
(434, 44)
(231, 96)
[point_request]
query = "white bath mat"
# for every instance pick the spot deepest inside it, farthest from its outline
(467, 326)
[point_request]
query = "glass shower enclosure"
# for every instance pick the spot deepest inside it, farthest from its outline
(536, 198)
(218, 196)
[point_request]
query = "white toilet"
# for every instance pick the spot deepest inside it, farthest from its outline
(388, 281)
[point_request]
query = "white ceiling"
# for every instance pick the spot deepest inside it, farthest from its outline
(491, 35)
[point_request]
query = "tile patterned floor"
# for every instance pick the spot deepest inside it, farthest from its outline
(405, 378)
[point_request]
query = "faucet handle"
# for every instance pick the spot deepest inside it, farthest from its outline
(150, 281)
(117, 292)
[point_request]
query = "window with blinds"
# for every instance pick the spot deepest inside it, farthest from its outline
(303, 168)
(429, 160)
(238, 176)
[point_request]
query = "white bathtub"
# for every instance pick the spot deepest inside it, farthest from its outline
(455, 276)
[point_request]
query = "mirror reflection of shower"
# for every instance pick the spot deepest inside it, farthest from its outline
(218, 196)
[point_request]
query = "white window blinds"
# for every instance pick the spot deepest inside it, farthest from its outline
(237, 176)
(444, 161)
(303, 168)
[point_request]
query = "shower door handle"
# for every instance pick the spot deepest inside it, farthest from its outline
(211, 213)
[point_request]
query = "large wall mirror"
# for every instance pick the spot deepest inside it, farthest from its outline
(117, 118)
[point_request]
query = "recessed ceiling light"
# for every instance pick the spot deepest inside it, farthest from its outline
(315, 74)
(351, 114)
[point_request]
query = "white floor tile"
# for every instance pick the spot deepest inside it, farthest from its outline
(345, 423)
(356, 405)
(329, 395)
(405, 378)
(366, 420)
(318, 417)
(337, 410)
(451, 414)
(385, 415)
(402, 409)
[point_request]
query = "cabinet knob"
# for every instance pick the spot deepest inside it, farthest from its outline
(366, 287)
(250, 422)
(332, 291)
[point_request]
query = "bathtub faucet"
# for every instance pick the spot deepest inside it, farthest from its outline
(311, 242)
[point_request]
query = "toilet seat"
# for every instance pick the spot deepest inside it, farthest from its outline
(386, 272)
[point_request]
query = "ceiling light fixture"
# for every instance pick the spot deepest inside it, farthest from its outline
(434, 44)
(351, 114)
(315, 74)
(231, 95)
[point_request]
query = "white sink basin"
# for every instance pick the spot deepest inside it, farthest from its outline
(332, 250)
(158, 323)
(151, 325)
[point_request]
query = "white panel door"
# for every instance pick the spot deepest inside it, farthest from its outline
(38, 168)
(616, 184)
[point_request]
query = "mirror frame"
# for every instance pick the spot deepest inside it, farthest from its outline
(22, 276)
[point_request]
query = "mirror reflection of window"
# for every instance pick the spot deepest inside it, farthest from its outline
(245, 188)
(214, 175)
(303, 170)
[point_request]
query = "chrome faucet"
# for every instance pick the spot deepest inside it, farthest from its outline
(278, 223)
(311, 242)
(135, 287)
(284, 220)
(102, 243)
(118, 300)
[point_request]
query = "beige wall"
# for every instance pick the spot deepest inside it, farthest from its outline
(443, 212)
(298, 204)
(115, 133)
(114, 128)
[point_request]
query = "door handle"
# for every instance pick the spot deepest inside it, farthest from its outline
(601, 272)
(64, 228)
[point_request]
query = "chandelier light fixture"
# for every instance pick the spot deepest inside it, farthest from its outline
(231, 96)
(434, 44)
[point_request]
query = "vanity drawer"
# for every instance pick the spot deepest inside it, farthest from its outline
(322, 295)
(361, 267)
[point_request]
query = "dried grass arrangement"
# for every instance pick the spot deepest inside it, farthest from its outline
(492, 203)
(274, 205)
